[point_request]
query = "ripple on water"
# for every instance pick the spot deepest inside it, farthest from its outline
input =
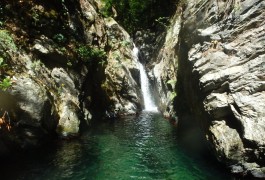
(143, 147)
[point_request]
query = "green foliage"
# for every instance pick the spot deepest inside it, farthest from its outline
(87, 54)
(98, 53)
(1, 24)
(5, 84)
(7, 41)
(60, 89)
(52, 14)
(237, 6)
(172, 83)
(35, 16)
(163, 21)
(59, 38)
(139, 14)
(62, 50)
(125, 43)
(84, 52)
(117, 56)
(106, 11)
(172, 96)
(36, 65)
(2, 63)
(69, 63)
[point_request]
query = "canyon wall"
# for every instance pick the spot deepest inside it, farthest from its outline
(221, 78)
(210, 62)
(62, 64)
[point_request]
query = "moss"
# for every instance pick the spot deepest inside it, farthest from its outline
(6, 41)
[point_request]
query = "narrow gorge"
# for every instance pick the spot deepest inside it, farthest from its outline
(107, 89)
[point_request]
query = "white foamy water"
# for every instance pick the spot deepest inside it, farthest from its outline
(145, 85)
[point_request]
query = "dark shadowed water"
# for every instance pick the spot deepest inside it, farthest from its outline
(143, 147)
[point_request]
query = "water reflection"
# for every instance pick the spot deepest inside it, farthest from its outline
(143, 147)
(67, 158)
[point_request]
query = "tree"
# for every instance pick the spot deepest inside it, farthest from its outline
(140, 14)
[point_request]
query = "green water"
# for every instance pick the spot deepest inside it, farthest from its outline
(142, 147)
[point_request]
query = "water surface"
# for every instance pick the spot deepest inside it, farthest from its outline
(142, 147)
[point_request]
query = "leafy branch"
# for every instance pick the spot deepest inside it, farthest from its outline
(5, 84)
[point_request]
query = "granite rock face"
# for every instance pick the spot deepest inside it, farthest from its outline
(221, 70)
(62, 67)
(165, 67)
(122, 82)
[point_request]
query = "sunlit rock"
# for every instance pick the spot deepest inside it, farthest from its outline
(223, 78)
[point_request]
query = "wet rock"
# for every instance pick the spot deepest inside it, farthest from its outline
(237, 169)
(33, 102)
(40, 49)
(122, 73)
(30, 114)
(67, 103)
(217, 104)
(68, 118)
(227, 142)
(64, 73)
(93, 24)
(222, 47)
(164, 71)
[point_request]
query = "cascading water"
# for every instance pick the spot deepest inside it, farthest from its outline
(145, 86)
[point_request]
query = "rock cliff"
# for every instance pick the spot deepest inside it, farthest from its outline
(165, 66)
(221, 77)
(61, 64)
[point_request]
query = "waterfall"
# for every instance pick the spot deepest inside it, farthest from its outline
(145, 85)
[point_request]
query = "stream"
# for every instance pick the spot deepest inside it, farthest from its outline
(136, 147)
(145, 146)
